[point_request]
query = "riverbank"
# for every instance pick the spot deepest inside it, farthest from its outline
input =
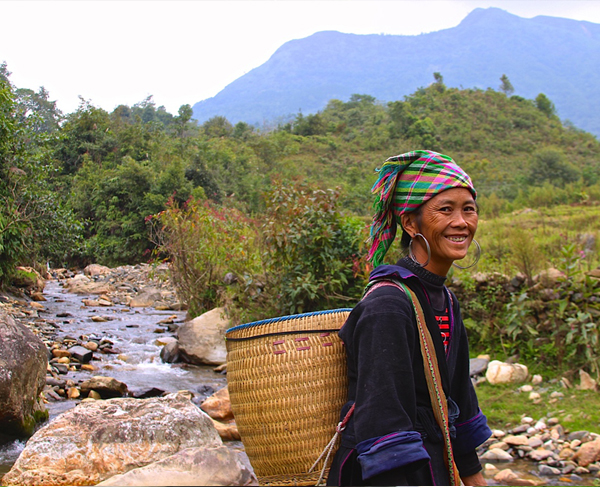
(533, 445)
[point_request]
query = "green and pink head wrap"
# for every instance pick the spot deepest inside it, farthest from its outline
(406, 182)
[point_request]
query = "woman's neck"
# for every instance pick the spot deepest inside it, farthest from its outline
(433, 283)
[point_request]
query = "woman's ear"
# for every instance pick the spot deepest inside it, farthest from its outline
(408, 222)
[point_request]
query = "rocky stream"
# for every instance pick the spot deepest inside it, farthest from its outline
(112, 333)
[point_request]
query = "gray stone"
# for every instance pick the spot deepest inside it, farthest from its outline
(577, 435)
(23, 363)
(540, 454)
(170, 352)
(202, 340)
(535, 442)
(496, 455)
(82, 354)
(478, 366)
(546, 470)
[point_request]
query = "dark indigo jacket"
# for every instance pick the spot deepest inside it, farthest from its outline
(392, 438)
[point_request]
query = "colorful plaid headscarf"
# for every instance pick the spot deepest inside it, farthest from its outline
(406, 182)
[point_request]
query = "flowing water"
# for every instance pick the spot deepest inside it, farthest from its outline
(133, 332)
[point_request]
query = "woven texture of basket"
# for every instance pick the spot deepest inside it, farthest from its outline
(287, 383)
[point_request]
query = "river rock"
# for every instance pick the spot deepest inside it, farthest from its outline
(504, 373)
(516, 440)
(202, 340)
(23, 364)
(496, 455)
(169, 353)
(588, 453)
(37, 296)
(28, 277)
(99, 439)
(82, 354)
(548, 470)
(146, 299)
(508, 477)
(540, 454)
(96, 270)
(218, 406)
(192, 466)
(107, 387)
(81, 284)
(535, 442)
(499, 444)
(227, 431)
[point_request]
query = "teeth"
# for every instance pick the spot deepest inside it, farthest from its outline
(457, 239)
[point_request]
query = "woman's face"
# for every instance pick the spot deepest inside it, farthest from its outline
(448, 221)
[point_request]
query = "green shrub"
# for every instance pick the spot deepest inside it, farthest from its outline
(203, 243)
(312, 252)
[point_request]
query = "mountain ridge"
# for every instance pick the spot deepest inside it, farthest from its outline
(304, 74)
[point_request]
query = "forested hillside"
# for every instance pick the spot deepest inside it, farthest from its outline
(304, 74)
(81, 187)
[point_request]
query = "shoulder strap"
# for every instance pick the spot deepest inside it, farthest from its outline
(434, 383)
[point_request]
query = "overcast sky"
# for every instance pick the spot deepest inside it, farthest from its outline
(120, 52)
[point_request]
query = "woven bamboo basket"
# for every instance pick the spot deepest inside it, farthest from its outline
(287, 383)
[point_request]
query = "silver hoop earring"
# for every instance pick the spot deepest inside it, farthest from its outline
(412, 255)
(476, 258)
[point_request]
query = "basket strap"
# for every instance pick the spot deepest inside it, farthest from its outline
(434, 384)
(330, 446)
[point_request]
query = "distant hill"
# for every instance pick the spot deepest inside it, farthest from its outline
(555, 56)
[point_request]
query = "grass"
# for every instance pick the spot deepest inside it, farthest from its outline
(505, 405)
(537, 235)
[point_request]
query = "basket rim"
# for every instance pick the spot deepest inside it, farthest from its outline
(286, 318)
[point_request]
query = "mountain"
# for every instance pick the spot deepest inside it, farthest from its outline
(555, 56)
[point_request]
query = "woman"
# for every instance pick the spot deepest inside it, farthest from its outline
(391, 435)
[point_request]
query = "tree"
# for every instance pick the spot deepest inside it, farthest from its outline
(86, 132)
(34, 223)
(185, 115)
(552, 166)
(439, 82)
(506, 86)
(543, 103)
(217, 126)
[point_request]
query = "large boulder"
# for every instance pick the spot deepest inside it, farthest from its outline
(193, 466)
(202, 340)
(23, 363)
(29, 278)
(147, 298)
(99, 439)
(96, 270)
(81, 284)
(505, 373)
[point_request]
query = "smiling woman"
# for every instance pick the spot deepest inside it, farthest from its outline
(412, 416)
